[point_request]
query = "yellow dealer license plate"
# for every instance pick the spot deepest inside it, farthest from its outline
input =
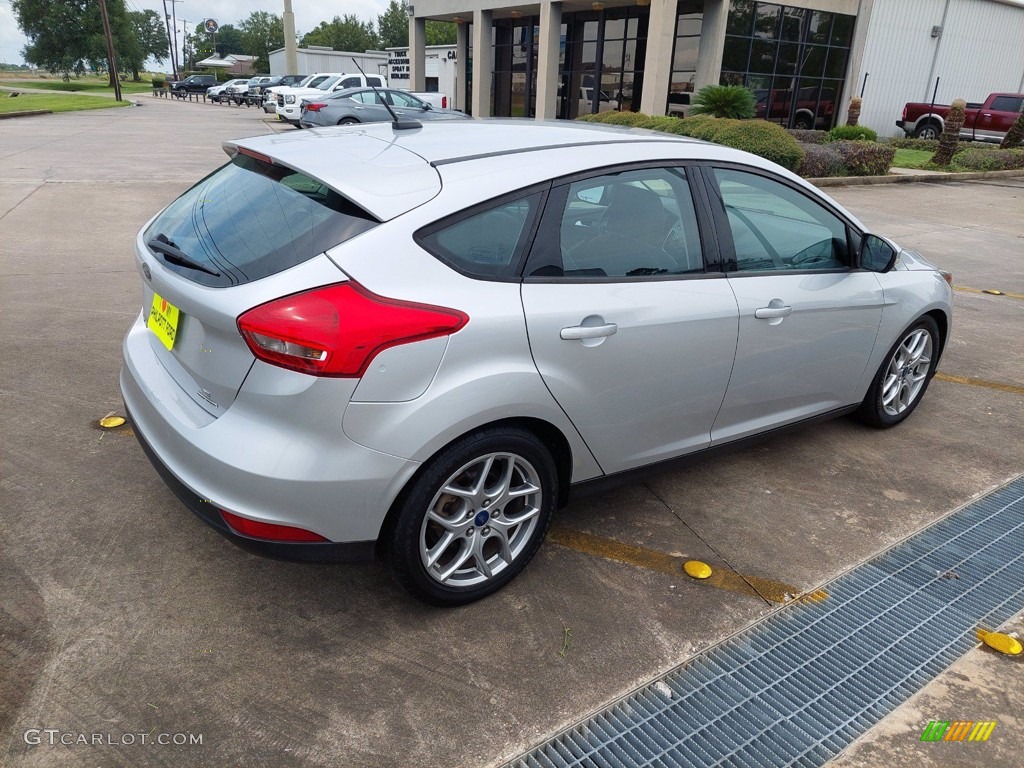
(163, 320)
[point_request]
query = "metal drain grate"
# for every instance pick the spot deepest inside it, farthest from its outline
(799, 686)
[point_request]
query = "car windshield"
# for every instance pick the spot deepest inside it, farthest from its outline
(326, 84)
(251, 218)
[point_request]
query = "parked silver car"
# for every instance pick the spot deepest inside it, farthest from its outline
(364, 105)
(426, 341)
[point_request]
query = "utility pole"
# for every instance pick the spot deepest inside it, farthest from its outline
(174, 26)
(170, 45)
(111, 61)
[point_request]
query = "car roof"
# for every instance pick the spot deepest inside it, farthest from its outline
(390, 172)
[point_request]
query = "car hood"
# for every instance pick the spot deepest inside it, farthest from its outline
(378, 175)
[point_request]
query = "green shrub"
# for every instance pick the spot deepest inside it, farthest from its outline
(758, 137)
(808, 137)
(703, 127)
(976, 159)
(865, 158)
(159, 82)
(729, 101)
(765, 139)
(821, 161)
(852, 133)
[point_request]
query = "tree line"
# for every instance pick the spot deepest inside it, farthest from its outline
(67, 35)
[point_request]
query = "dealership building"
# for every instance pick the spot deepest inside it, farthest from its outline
(803, 60)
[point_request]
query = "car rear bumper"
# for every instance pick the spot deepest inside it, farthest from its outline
(278, 455)
(318, 552)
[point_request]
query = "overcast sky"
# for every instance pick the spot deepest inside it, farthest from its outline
(308, 13)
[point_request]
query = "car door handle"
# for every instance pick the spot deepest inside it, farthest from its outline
(588, 331)
(768, 313)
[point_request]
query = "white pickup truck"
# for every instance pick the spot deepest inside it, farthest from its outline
(289, 100)
(434, 99)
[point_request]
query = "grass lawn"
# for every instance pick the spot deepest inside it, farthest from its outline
(84, 84)
(912, 158)
(57, 102)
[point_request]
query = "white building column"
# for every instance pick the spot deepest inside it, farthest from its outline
(417, 53)
(483, 53)
(547, 60)
(712, 43)
(461, 66)
(661, 36)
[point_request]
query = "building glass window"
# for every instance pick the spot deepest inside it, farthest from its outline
(601, 66)
(514, 79)
(794, 59)
(689, 22)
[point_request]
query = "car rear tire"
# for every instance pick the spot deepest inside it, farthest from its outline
(929, 131)
(473, 517)
(903, 377)
(347, 121)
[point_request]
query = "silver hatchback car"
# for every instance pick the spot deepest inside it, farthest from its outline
(423, 342)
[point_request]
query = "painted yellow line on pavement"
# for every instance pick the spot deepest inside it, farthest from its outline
(988, 292)
(971, 381)
(721, 577)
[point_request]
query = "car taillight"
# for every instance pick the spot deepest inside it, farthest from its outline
(268, 531)
(314, 107)
(338, 330)
(444, 102)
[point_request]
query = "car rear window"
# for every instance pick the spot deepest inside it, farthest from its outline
(250, 219)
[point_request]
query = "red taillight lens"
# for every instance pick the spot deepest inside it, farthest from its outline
(444, 102)
(337, 330)
(268, 531)
(314, 107)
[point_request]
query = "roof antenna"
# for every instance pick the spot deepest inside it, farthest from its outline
(396, 124)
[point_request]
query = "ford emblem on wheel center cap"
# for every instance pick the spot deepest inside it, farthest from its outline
(481, 517)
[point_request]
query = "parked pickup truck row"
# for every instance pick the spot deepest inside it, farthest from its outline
(988, 121)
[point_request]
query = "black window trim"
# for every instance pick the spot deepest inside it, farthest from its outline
(531, 228)
(724, 229)
(556, 200)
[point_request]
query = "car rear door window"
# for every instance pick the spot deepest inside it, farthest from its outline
(630, 224)
(487, 241)
(251, 219)
(775, 227)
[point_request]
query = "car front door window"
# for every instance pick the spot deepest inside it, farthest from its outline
(774, 227)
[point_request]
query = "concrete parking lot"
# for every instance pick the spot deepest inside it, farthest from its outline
(120, 613)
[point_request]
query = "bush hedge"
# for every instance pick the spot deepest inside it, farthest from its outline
(820, 161)
(852, 133)
(976, 159)
(759, 137)
(807, 136)
(865, 158)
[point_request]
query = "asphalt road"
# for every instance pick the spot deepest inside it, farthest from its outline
(122, 615)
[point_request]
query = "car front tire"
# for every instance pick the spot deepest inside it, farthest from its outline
(473, 517)
(903, 377)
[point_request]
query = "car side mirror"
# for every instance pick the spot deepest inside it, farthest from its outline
(876, 255)
(427, 107)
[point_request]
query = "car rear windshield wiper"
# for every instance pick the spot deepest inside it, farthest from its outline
(172, 253)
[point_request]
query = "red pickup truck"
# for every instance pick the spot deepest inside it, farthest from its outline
(982, 122)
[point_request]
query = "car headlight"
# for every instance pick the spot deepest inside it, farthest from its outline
(289, 99)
